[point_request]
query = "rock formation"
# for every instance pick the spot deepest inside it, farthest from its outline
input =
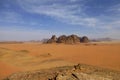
(62, 39)
(71, 39)
(75, 38)
(77, 72)
(68, 39)
(52, 40)
(84, 39)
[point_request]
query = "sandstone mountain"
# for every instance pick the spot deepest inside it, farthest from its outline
(62, 39)
(84, 39)
(71, 39)
(52, 40)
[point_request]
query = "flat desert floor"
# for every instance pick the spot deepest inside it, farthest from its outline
(34, 56)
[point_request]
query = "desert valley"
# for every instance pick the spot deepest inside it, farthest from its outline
(30, 56)
(59, 39)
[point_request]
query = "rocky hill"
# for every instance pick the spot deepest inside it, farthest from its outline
(77, 72)
(71, 39)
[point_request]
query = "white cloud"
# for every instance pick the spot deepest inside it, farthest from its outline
(71, 13)
(115, 8)
(67, 11)
(15, 18)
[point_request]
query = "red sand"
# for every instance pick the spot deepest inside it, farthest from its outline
(102, 55)
(7, 69)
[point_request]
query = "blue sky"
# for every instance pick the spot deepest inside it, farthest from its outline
(37, 19)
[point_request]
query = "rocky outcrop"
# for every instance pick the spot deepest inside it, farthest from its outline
(77, 72)
(79, 76)
(84, 39)
(68, 39)
(52, 40)
(62, 39)
(71, 39)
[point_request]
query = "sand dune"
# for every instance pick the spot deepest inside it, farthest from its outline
(32, 56)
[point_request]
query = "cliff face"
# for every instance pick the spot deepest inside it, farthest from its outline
(77, 72)
(71, 39)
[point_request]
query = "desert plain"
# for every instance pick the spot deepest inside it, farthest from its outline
(19, 57)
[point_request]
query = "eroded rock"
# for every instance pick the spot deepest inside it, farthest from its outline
(71, 39)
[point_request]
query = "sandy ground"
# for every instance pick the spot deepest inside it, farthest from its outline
(7, 69)
(33, 56)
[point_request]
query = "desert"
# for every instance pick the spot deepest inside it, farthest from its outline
(23, 57)
(59, 39)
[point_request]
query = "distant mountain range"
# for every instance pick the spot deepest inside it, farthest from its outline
(102, 39)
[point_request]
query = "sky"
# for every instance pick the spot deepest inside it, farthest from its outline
(22, 20)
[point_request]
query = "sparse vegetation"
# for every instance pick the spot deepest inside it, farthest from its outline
(25, 51)
(45, 55)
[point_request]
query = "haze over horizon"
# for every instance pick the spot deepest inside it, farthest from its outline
(38, 19)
